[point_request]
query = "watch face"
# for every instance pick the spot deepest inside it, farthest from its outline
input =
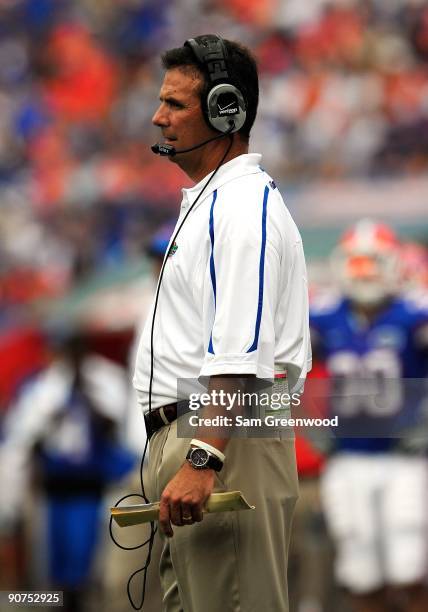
(199, 457)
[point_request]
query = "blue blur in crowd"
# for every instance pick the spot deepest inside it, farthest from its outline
(140, 27)
(159, 242)
(38, 14)
(31, 118)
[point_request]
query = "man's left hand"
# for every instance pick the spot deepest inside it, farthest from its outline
(184, 497)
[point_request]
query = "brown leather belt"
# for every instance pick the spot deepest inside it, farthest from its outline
(157, 418)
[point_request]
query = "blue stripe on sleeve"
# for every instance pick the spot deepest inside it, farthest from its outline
(261, 273)
(212, 266)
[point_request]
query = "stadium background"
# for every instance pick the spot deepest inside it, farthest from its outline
(342, 125)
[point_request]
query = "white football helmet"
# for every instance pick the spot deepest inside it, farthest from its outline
(366, 263)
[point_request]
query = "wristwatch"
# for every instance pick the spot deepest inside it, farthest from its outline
(201, 459)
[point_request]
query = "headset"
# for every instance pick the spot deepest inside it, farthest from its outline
(223, 105)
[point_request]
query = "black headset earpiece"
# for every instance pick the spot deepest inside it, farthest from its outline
(224, 106)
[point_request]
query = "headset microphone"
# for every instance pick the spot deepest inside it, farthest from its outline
(170, 151)
(163, 149)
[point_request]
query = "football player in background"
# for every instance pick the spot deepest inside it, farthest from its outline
(59, 454)
(374, 491)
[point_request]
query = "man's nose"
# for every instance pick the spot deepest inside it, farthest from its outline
(160, 117)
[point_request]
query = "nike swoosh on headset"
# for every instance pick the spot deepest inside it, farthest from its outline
(224, 107)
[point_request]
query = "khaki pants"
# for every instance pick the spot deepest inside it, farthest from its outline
(231, 561)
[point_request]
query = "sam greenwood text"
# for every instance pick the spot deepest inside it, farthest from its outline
(268, 421)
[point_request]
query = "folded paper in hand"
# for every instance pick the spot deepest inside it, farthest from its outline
(144, 513)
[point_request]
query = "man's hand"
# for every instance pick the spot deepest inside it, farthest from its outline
(183, 499)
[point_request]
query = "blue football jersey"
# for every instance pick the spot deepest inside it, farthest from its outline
(368, 363)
